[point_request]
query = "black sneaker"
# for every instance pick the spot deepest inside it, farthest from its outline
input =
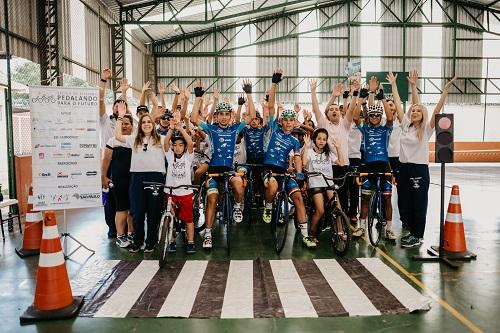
(172, 248)
(410, 242)
(134, 248)
(190, 248)
(149, 248)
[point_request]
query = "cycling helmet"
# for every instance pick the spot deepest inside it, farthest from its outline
(288, 114)
(178, 137)
(224, 107)
(167, 115)
(316, 132)
(375, 109)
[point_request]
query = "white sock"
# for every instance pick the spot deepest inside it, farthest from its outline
(208, 232)
(303, 229)
(389, 225)
(269, 205)
(362, 223)
(237, 205)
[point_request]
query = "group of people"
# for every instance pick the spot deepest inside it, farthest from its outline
(368, 131)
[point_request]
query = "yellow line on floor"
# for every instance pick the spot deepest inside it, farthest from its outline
(454, 312)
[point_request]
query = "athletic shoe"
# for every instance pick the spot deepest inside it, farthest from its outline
(130, 237)
(238, 215)
(314, 239)
(172, 248)
(308, 242)
(149, 248)
(190, 248)
(405, 238)
(267, 215)
(207, 242)
(390, 235)
(410, 242)
(122, 241)
(134, 248)
(359, 232)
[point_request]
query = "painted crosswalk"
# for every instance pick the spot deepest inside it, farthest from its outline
(252, 289)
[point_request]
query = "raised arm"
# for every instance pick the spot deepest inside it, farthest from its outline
(241, 102)
(372, 90)
(277, 77)
(313, 84)
(247, 88)
(349, 115)
(145, 88)
(122, 109)
(442, 99)
(123, 88)
(161, 92)
(177, 92)
(186, 136)
(413, 80)
(305, 151)
(388, 114)
(155, 110)
(105, 76)
(395, 95)
(337, 91)
(195, 113)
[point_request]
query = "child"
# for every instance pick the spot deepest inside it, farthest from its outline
(179, 154)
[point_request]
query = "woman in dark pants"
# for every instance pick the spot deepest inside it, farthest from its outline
(147, 164)
(416, 130)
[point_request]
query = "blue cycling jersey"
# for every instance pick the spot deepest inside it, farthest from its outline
(279, 146)
(254, 142)
(375, 142)
(222, 142)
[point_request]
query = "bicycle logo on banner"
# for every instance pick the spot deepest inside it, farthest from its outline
(43, 99)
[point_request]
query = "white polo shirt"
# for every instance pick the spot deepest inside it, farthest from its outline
(412, 149)
(355, 137)
(394, 139)
(151, 160)
(339, 132)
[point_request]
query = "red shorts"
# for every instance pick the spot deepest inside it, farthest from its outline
(184, 211)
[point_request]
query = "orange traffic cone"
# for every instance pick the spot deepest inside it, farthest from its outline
(33, 227)
(53, 296)
(454, 235)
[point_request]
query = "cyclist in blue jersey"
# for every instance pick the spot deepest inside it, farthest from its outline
(281, 143)
(376, 141)
(222, 142)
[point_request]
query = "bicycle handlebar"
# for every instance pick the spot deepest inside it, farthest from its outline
(227, 173)
(156, 186)
(327, 179)
(366, 174)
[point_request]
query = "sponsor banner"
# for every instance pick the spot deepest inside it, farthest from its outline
(65, 142)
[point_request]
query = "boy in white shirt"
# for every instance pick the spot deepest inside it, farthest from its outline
(180, 155)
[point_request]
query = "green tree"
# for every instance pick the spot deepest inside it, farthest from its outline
(27, 73)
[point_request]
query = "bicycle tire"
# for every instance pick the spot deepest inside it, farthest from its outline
(164, 240)
(248, 203)
(196, 212)
(280, 221)
(227, 220)
(374, 220)
(340, 239)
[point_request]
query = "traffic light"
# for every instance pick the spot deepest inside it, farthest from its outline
(444, 138)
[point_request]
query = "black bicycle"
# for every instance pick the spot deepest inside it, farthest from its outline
(281, 212)
(377, 221)
(334, 217)
(225, 207)
(250, 200)
(168, 222)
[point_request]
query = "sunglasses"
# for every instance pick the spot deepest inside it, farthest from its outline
(374, 115)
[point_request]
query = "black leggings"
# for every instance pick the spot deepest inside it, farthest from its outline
(353, 189)
(413, 193)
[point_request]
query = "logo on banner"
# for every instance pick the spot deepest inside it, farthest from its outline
(68, 186)
(87, 196)
(66, 163)
(88, 145)
(66, 145)
(41, 156)
(91, 173)
(88, 156)
(44, 99)
(62, 175)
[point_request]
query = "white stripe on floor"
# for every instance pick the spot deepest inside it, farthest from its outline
(122, 300)
(181, 298)
(238, 296)
(405, 294)
(352, 298)
(293, 295)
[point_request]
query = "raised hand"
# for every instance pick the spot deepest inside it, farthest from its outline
(296, 107)
(175, 89)
(413, 77)
(146, 86)
(355, 86)
(216, 94)
(247, 86)
(313, 84)
(198, 89)
(391, 77)
(187, 92)
(122, 108)
(450, 83)
(307, 140)
(338, 90)
(154, 99)
(241, 99)
(277, 75)
(106, 74)
(373, 84)
(161, 88)
(124, 84)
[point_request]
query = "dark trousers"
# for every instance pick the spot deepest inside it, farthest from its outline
(143, 203)
(340, 171)
(413, 196)
(110, 211)
(353, 189)
(395, 167)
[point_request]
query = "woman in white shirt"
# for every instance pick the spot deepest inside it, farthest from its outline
(147, 164)
(413, 187)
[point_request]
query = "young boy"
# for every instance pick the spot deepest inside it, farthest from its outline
(179, 154)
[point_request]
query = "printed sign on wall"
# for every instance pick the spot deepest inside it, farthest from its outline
(65, 147)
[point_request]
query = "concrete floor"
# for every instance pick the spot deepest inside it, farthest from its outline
(463, 300)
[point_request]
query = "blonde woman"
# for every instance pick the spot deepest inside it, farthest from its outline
(413, 187)
(147, 164)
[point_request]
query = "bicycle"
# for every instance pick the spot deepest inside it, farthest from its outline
(250, 198)
(168, 221)
(334, 217)
(281, 212)
(376, 210)
(225, 206)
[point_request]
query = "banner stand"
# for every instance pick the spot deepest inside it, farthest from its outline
(65, 235)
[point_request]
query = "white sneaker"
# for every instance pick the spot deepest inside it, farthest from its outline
(238, 214)
(359, 232)
(123, 241)
(390, 235)
(207, 242)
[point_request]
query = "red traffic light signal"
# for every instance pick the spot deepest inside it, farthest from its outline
(444, 138)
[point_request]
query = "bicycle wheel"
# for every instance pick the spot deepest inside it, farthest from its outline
(375, 228)
(340, 231)
(227, 220)
(248, 203)
(199, 211)
(280, 221)
(165, 234)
